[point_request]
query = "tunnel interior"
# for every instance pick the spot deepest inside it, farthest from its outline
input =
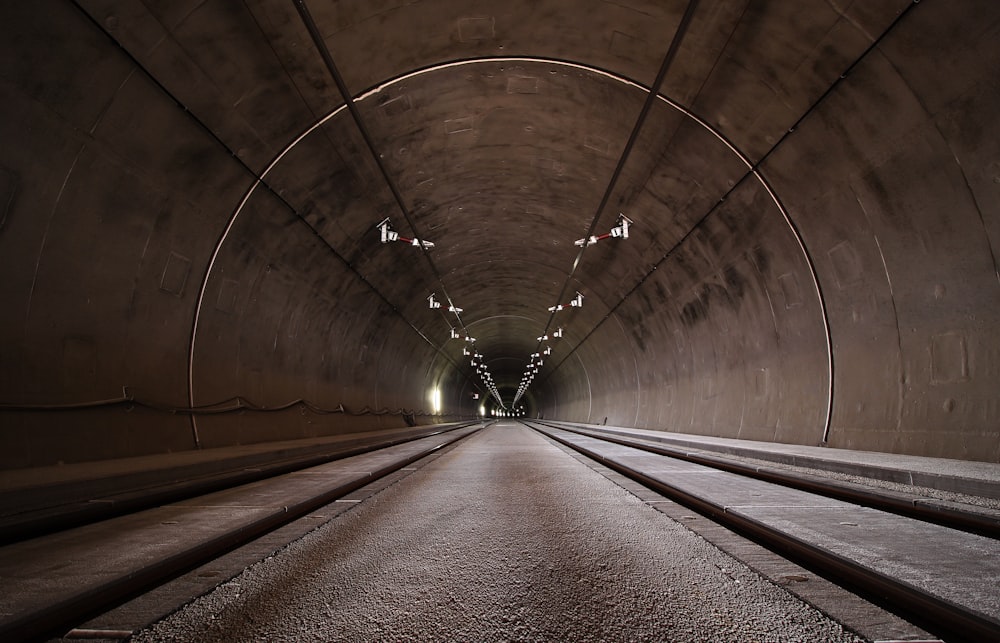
(214, 220)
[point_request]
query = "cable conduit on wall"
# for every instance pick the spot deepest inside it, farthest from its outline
(231, 405)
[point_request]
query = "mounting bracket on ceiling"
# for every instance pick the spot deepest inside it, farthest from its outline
(576, 303)
(620, 231)
(389, 235)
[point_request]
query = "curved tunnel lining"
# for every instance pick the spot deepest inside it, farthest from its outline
(753, 169)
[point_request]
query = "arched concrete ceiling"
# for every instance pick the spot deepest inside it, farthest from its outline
(191, 209)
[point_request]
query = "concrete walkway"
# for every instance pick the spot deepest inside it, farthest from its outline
(505, 537)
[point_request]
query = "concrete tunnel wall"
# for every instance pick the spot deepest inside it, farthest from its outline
(187, 212)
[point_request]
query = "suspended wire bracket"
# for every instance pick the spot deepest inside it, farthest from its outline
(620, 231)
(576, 303)
(389, 235)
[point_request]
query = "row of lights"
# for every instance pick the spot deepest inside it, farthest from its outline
(487, 379)
(537, 360)
(388, 235)
(516, 413)
(620, 231)
(477, 360)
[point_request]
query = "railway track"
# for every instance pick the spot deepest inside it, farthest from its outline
(955, 607)
(30, 512)
(982, 523)
(840, 536)
(137, 552)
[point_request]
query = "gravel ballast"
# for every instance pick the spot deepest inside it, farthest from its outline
(503, 538)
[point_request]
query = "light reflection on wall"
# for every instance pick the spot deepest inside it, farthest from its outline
(435, 398)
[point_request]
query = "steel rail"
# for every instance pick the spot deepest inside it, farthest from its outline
(958, 623)
(954, 518)
(23, 523)
(52, 621)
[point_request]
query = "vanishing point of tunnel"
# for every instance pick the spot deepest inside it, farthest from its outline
(773, 221)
